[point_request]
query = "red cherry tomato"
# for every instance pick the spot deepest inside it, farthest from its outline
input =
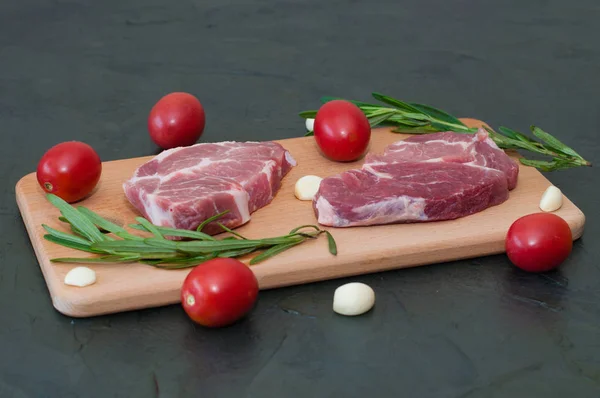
(539, 242)
(177, 119)
(342, 131)
(70, 170)
(218, 292)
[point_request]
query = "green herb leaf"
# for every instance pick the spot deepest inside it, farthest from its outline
(169, 266)
(308, 114)
(542, 165)
(553, 142)
(408, 122)
(211, 219)
(273, 251)
(220, 245)
(161, 243)
(236, 253)
(513, 143)
(130, 246)
(70, 244)
(150, 227)
(155, 255)
(103, 259)
(179, 233)
(187, 261)
(99, 221)
(87, 228)
(376, 120)
(444, 127)
(396, 103)
(332, 244)
(105, 225)
(227, 229)
(65, 236)
(438, 114)
(515, 135)
(293, 231)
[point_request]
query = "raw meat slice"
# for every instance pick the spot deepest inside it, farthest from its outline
(474, 149)
(433, 177)
(386, 193)
(182, 187)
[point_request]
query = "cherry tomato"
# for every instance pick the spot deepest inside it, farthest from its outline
(177, 119)
(70, 170)
(539, 242)
(218, 292)
(342, 131)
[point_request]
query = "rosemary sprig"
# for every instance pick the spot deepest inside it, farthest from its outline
(90, 234)
(413, 118)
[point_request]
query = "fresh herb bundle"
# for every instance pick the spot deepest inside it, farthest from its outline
(92, 234)
(412, 118)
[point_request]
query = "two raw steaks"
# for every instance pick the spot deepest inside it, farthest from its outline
(423, 178)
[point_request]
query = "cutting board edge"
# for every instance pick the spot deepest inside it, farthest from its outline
(69, 303)
(34, 238)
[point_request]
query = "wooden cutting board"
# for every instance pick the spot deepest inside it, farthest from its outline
(123, 287)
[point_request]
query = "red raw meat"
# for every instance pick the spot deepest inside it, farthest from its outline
(182, 187)
(431, 177)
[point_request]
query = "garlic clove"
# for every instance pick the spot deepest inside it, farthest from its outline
(80, 277)
(353, 299)
(310, 124)
(307, 187)
(552, 199)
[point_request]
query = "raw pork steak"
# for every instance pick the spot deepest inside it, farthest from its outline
(182, 187)
(417, 182)
(474, 149)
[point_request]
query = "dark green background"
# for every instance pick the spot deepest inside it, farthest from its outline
(91, 70)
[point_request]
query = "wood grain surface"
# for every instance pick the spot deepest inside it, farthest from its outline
(361, 250)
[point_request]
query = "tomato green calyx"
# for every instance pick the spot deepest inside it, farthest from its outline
(190, 299)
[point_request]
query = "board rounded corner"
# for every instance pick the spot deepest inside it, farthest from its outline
(72, 304)
(19, 186)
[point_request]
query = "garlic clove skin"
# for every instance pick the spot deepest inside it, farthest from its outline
(80, 277)
(353, 299)
(552, 199)
(306, 187)
(310, 124)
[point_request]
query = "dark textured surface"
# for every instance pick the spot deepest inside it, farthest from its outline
(91, 70)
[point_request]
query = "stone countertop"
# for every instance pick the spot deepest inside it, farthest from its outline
(91, 71)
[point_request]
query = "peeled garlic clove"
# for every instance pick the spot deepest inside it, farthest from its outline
(80, 277)
(552, 199)
(307, 187)
(353, 299)
(310, 124)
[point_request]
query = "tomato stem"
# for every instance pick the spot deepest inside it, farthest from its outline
(190, 299)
